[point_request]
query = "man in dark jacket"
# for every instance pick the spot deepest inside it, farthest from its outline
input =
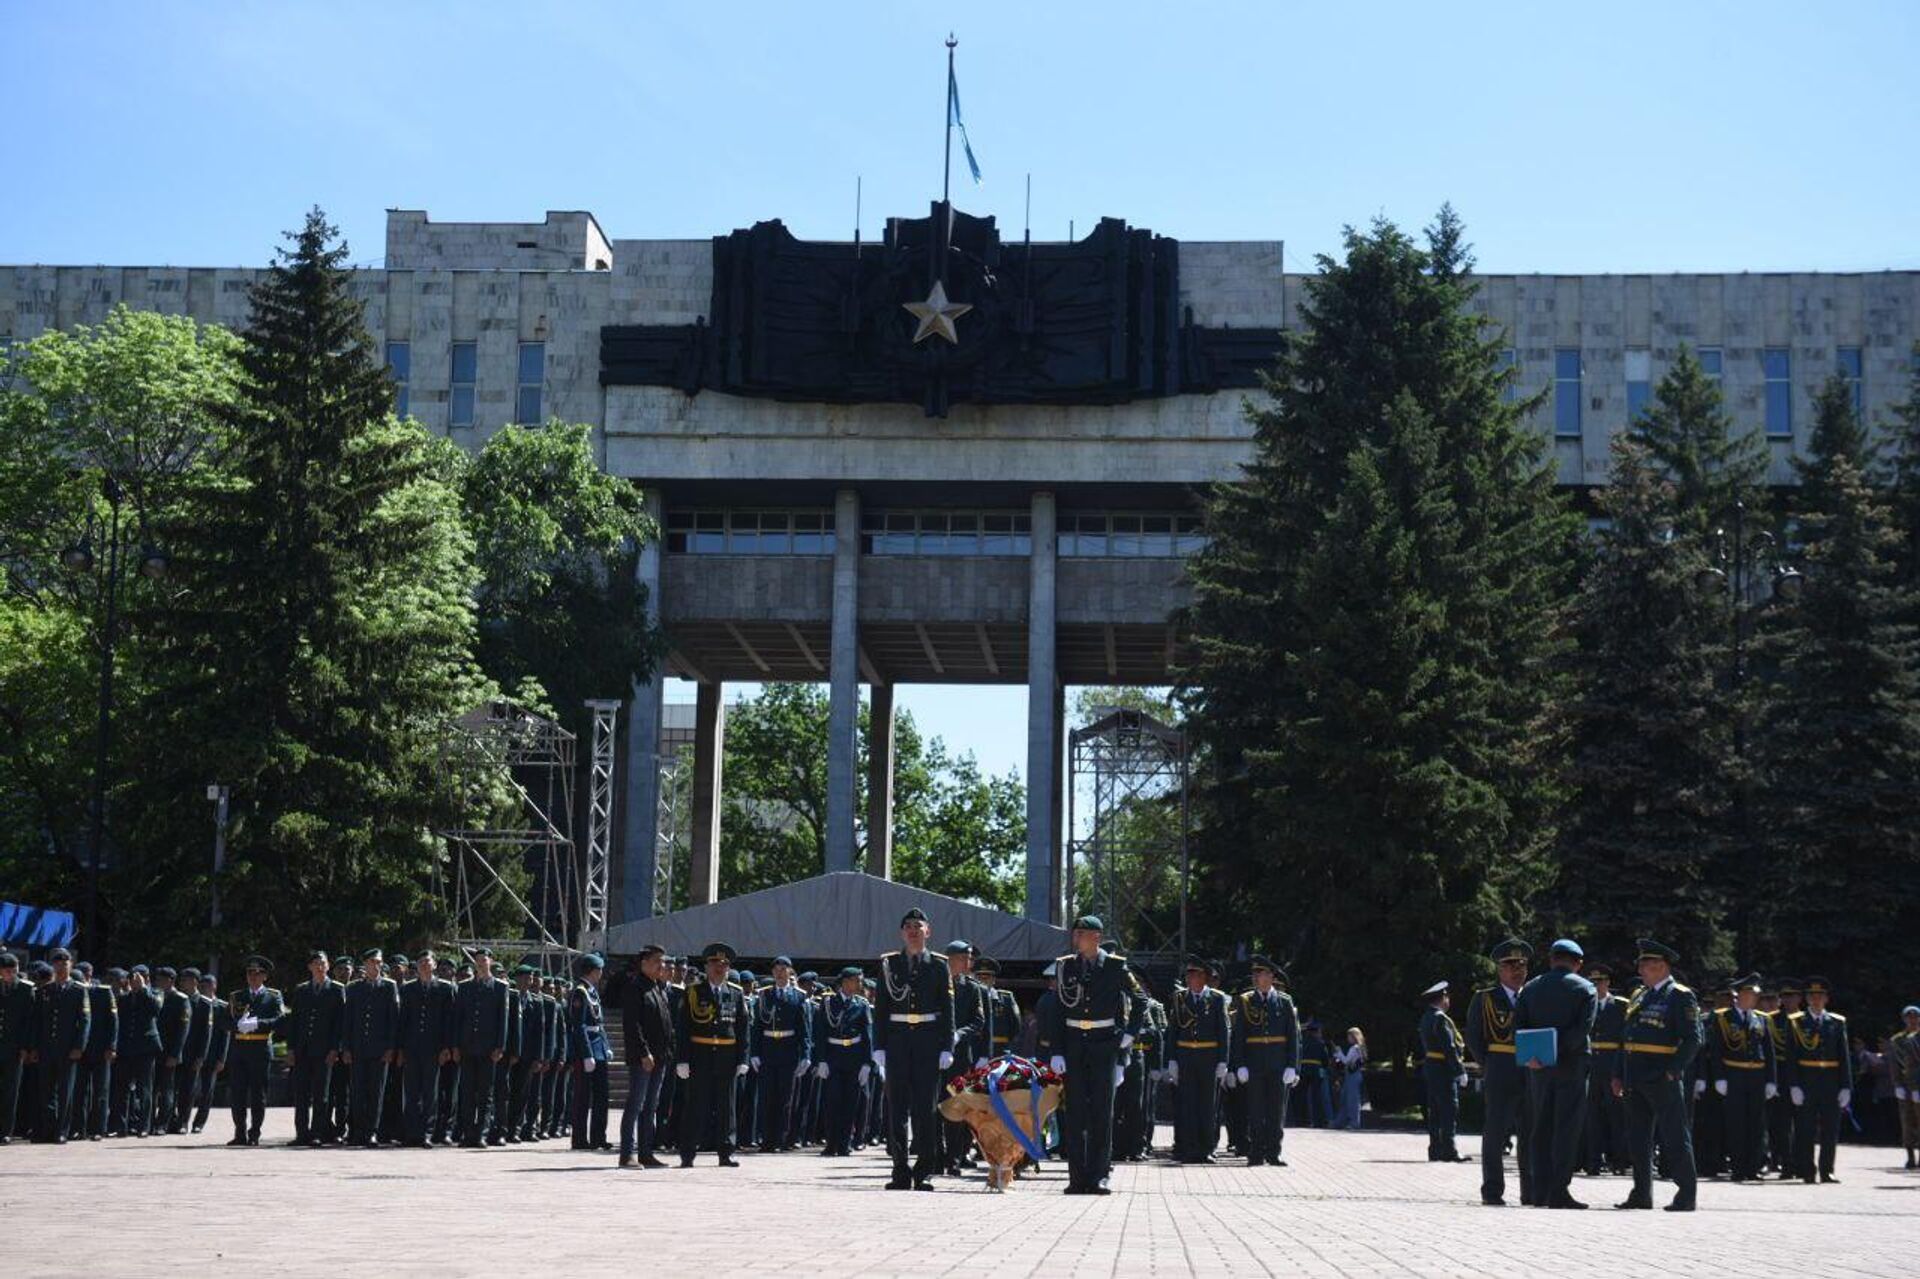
(16, 1040)
(139, 1041)
(186, 1076)
(219, 1035)
(176, 1020)
(647, 1022)
(1560, 1000)
(316, 1022)
(93, 1082)
(481, 1007)
(429, 1029)
(372, 1039)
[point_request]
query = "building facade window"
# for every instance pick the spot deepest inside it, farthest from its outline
(1507, 363)
(531, 379)
(464, 372)
(400, 365)
(1639, 382)
(1853, 368)
(1146, 535)
(1566, 393)
(1777, 365)
(1711, 363)
(946, 533)
(750, 532)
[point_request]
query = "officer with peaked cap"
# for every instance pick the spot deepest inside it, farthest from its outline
(372, 1038)
(711, 1030)
(1265, 1059)
(846, 1057)
(1606, 1131)
(588, 1053)
(969, 1022)
(480, 1008)
(1737, 1054)
(781, 1051)
(1097, 1018)
(255, 1010)
(1562, 1001)
(1488, 1030)
(1444, 1072)
(316, 1026)
(1818, 1071)
(1660, 1038)
(1202, 1043)
(913, 1042)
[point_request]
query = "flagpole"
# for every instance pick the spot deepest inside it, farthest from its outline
(946, 178)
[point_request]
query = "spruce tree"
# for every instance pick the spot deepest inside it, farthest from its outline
(318, 647)
(1376, 626)
(1646, 828)
(1692, 442)
(1903, 448)
(1838, 747)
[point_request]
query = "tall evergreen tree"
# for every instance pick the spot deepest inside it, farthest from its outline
(1903, 449)
(1645, 828)
(317, 648)
(1377, 622)
(1692, 442)
(1839, 745)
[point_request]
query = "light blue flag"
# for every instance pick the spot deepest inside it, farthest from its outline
(954, 121)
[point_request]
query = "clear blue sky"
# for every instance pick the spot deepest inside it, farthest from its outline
(1615, 137)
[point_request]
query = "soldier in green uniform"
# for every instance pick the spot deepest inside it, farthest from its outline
(1445, 1074)
(1488, 1029)
(1146, 1062)
(1784, 1117)
(16, 1027)
(1266, 1060)
(1906, 1082)
(1659, 1040)
(1739, 1068)
(256, 1011)
(1098, 1015)
(913, 1037)
(1818, 1071)
(1709, 1117)
(712, 1029)
(1202, 1041)
(1606, 1134)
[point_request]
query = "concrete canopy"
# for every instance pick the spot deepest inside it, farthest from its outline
(846, 915)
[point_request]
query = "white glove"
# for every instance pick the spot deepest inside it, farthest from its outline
(1119, 1074)
(864, 1072)
(247, 1025)
(1220, 1072)
(1173, 1073)
(1289, 1076)
(754, 1062)
(1720, 1086)
(1773, 1090)
(1846, 1097)
(1460, 1081)
(979, 1063)
(820, 1071)
(1798, 1094)
(802, 1069)
(1126, 1042)
(946, 1059)
(880, 1061)
(1059, 1064)
(1899, 1094)
(1242, 1074)
(589, 1065)
(1699, 1087)
(683, 1070)
(742, 1069)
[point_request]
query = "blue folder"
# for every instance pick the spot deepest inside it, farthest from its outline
(1542, 1046)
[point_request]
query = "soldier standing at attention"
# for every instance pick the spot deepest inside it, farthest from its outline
(1266, 1060)
(176, 1018)
(481, 1006)
(340, 1078)
(1606, 1135)
(1489, 1036)
(93, 1087)
(1560, 1000)
(371, 1039)
(712, 1034)
(1819, 1072)
(913, 1035)
(1906, 1082)
(139, 1040)
(1739, 1067)
(1660, 1038)
(1785, 1117)
(429, 1028)
(186, 1093)
(589, 1053)
(846, 1058)
(1444, 1072)
(969, 1023)
(316, 1023)
(255, 1010)
(781, 1051)
(1202, 1042)
(1098, 1015)
(219, 1036)
(16, 1040)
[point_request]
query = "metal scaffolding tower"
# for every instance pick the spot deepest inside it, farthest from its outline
(593, 925)
(1129, 864)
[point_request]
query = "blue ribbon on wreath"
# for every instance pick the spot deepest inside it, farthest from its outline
(1030, 1144)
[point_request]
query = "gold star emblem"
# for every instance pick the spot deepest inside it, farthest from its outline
(936, 315)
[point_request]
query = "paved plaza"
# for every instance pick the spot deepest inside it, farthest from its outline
(1350, 1204)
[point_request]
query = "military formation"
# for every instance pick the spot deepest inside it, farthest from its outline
(1753, 1080)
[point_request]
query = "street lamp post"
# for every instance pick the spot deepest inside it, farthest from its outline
(218, 794)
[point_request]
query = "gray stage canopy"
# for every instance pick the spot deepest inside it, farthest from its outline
(846, 915)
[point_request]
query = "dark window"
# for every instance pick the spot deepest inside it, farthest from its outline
(400, 364)
(1566, 392)
(532, 377)
(1778, 367)
(1853, 368)
(1639, 382)
(466, 364)
(1711, 362)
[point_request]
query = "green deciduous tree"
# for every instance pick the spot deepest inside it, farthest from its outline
(1377, 628)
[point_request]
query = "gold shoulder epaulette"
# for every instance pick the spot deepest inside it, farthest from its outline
(737, 986)
(1796, 1016)
(886, 955)
(1686, 989)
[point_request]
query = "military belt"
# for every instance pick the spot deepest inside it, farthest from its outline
(1501, 1048)
(1606, 1045)
(778, 1034)
(1745, 1065)
(256, 1039)
(710, 1042)
(1659, 1050)
(1003, 1039)
(913, 1019)
(1432, 1056)
(1266, 1039)
(1196, 1043)
(1830, 1064)
(845, 1043)
(1084, 1024)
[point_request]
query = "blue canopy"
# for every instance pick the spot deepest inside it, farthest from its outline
(34, 925)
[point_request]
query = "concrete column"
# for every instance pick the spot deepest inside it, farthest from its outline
(639, 817)
(880, 782)
(843, 673)
(709, 748)
(1043, 732)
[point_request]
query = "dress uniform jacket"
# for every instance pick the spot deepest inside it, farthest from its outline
(316, 1019)
(103, 1032)
(1440, 1070)
(1202, 1041)
(1819, 1062)
(1738, 1056)
(1659, 1040)
(140, 1024)
(373, 1018)
(176, 1019)
(483, 1017)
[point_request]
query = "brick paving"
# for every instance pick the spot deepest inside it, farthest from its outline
(1351, 1204)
